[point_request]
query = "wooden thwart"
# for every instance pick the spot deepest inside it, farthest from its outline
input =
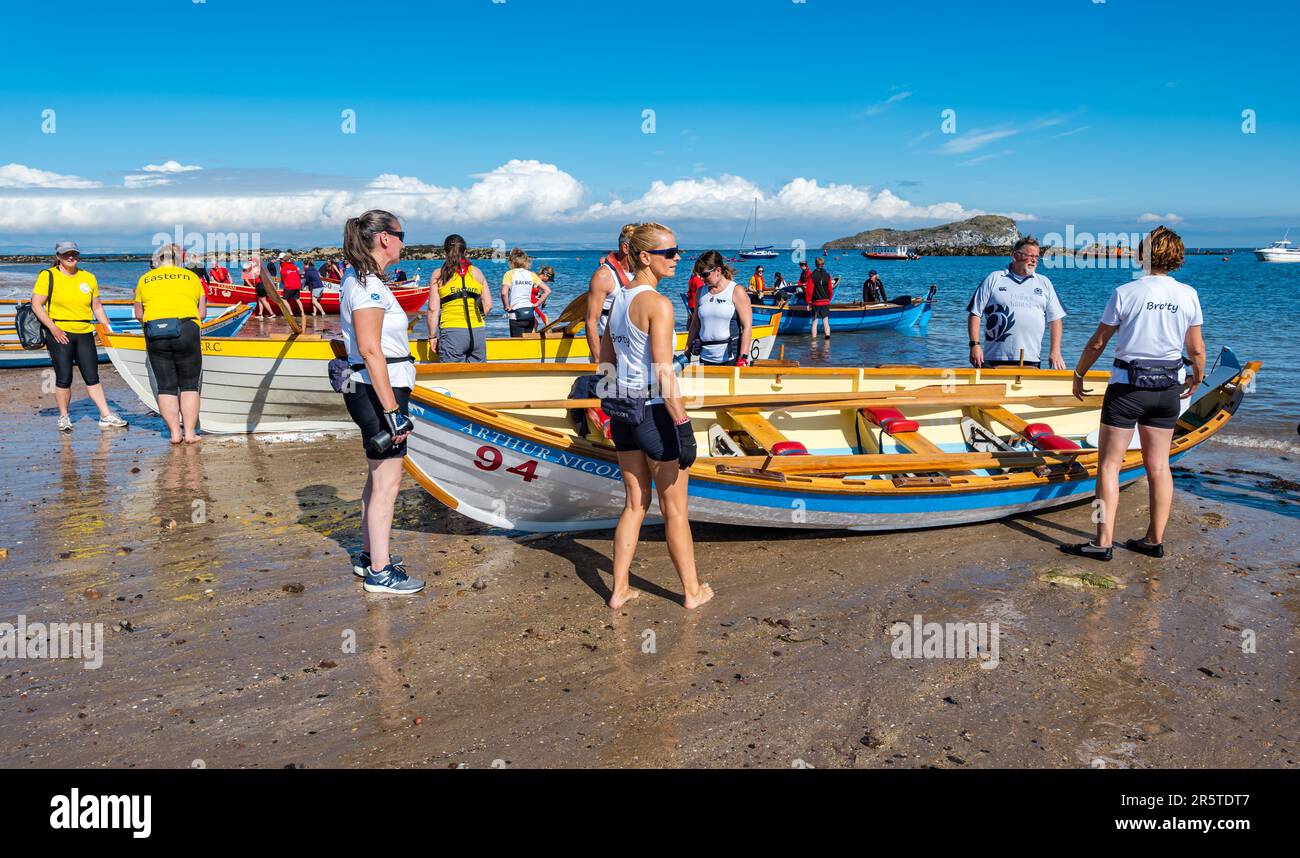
(899, 463)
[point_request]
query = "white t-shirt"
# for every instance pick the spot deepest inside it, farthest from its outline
(1016, 311)
(354, 296)
(1153, 314)
(521, 282)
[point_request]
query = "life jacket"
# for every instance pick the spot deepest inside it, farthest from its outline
(219, 275)
(455, 300)
(758, 284)
(290, 278)
(693, 291)
(621, 278)
(820, 291)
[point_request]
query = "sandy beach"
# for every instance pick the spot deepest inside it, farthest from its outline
(236, 635)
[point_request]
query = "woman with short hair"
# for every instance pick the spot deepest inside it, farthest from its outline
(378, 389)
(66, 300)
(518, 284)
(653, 437)
(169, 302)
(1152, 319)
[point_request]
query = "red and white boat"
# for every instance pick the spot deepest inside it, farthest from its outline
(409, 294)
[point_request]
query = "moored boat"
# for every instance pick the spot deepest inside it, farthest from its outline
(280, 382)
(821, 448)
(121, 318)
(890, 253)
(409, 294)
(1278, 251)
(899, 313)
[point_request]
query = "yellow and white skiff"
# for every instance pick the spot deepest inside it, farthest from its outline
(835, 448)
(280, 383)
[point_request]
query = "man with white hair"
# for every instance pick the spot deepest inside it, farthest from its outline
(1015, 304)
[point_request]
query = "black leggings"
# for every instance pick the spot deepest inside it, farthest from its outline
(177, 363)
(79, 349)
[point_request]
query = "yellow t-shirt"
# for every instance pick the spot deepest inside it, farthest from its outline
(70, 305)
(169, 293)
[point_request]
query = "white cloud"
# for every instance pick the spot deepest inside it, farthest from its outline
(144, 180)
(976, 139)
(1151, 217)
(170, 167)
(880, 107)
(980, 159)
(1071, 132)
(522, 193)
(22, 176)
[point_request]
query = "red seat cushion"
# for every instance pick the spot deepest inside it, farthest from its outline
(890, 419)
(1054, 442)
(1033, 430)
(789, 448)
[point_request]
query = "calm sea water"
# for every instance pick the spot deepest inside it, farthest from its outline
(1248, 305)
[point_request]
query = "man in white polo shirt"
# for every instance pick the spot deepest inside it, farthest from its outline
(1015, 304)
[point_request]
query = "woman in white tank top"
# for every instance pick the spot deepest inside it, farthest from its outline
(723, 320)
(613, 271)
(658, 450)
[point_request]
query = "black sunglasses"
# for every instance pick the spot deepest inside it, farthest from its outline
(706, 274)
(667, 252)
(400, 235)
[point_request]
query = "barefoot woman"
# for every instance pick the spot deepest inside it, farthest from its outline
(656, 445)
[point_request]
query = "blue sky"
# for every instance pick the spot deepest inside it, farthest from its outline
(524, 120)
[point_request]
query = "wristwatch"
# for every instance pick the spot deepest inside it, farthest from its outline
(973, 343)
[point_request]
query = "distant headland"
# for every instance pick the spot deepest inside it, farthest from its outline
(983, 235)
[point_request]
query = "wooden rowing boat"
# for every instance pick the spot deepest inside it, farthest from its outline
(409, 294)
(830, 448)
(223, 321)
(280, 382)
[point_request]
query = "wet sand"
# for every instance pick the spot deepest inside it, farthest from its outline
(228, 561)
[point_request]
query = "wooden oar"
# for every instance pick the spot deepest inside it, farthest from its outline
(575, 312)
(771, 399)
(272, 291)
(895, 463)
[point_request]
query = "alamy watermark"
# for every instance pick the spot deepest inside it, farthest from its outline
(946, 640)
(222, 248)
(24, 640)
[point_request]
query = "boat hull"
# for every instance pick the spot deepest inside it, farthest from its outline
(1278, 256)
(847, 318)
(409, 294)
(121, 320)
(526, 470)
(281, 384)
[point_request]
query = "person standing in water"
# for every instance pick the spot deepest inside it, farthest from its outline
(518, 284)
(459, 299)
(655, 444)
(612, 272)
(819, 294)
(378, 390)
(1013, 306)
(722, 327)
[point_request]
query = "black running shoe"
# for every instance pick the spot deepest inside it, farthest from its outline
(1141, 546)
(1087, 549)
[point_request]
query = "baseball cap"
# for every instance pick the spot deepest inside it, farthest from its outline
(65, 246)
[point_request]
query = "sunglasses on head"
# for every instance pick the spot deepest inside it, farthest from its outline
(667, 252)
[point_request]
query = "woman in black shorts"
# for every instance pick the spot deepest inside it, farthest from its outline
(1152, 319)
(659, 447)
(379, 388)
(172, 292)
(66, 300)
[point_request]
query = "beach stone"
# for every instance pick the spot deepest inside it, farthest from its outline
(1213, 519)
(479, 584)
(295, 587)
(92, 593)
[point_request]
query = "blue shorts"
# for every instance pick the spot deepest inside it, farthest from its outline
(655, 435)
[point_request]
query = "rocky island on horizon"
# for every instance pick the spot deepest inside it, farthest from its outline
(983, 235)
